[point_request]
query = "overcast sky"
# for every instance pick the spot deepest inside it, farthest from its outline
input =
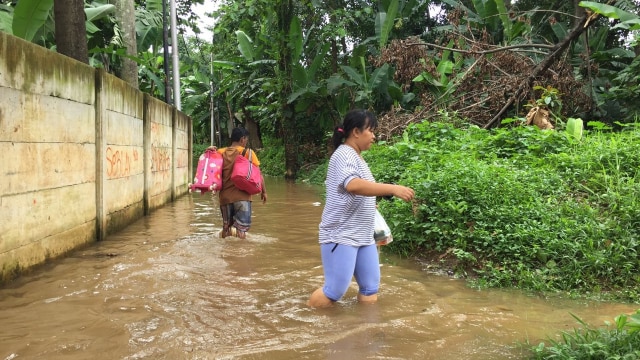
(205, 21)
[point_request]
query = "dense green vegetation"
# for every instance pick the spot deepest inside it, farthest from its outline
(519, 207)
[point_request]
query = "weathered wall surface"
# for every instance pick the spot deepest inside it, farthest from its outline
(183, 166)
(121, 146)
(160, 137)
(82, 153)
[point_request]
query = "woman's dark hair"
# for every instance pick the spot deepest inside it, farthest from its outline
(238, 133)
(357, 118)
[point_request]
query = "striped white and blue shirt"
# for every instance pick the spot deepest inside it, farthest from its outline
(347, 219)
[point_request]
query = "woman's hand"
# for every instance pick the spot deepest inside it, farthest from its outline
(403, 192)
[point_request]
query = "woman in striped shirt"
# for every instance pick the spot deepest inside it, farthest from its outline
(346, 229)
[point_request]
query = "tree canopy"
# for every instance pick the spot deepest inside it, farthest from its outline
(289, 70)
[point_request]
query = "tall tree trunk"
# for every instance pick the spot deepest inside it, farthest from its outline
(637, 47)
(252, 127)
(126, 19)
(71, 31)
(334, 43)
(288, 123)
(165, 55)
(230, 117)
(334, 56)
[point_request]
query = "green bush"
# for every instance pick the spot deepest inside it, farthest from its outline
(315, 175)
(519, 207)
(271, 157)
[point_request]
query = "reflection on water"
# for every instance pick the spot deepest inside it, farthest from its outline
(168, 288)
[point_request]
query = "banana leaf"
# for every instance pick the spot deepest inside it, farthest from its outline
(245, 45)
(29, 16)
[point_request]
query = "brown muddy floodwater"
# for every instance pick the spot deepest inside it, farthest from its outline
(168, 288)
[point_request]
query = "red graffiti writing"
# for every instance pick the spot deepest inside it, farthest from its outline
(155, 128)
(160, 159)
(119, 162)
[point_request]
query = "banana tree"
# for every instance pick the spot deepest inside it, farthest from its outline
(308, 93)
(444, 83)
(628, 20)
(250, 85)
(399, 19)
(309, 90)
(491, 16)
(385, 21)
(618, 87)
(32, 20)
(376, 91)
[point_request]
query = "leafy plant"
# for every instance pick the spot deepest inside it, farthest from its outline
(441, 83)
(367, 89)
(574, 128)
(628, 20)
(29, 16)
(620, 341)
(491, 16)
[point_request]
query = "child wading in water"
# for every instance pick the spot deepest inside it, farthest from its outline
(347, 245)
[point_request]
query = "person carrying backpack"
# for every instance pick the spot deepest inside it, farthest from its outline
(235, 204)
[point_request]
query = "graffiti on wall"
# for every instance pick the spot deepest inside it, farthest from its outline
(160, 158)
(119, 162)
(160, 152)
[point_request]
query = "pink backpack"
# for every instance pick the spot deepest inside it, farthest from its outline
(245, 175)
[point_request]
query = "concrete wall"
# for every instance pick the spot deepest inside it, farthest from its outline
(82, 155)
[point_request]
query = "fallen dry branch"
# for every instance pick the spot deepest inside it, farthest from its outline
(486, 89)
(558, 49)
(486, 52)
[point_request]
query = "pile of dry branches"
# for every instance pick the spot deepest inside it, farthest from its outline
(496, 76)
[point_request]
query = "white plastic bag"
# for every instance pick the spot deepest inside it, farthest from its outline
(381, 231)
